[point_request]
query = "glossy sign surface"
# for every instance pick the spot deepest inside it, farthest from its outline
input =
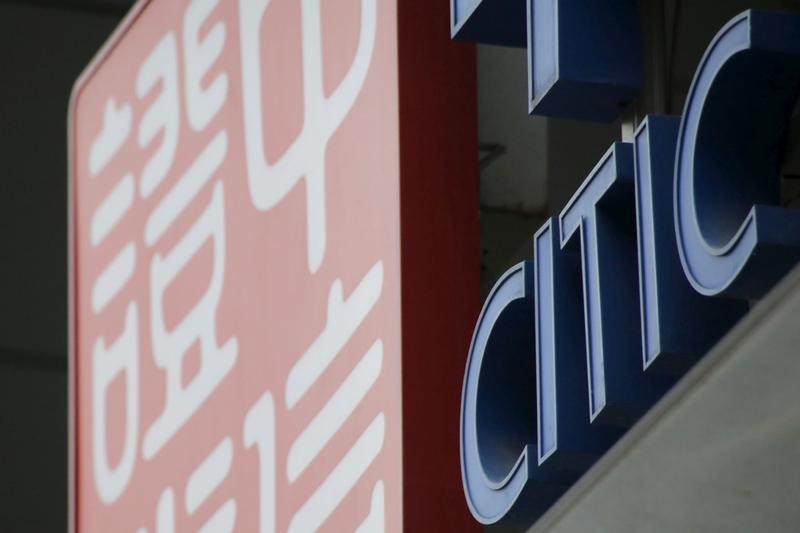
(235, 301)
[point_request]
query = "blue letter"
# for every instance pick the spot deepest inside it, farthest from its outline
(733, 237)
(600, 218)
(584, 59)
(488, 21)
(566, 436)
(498, 404)
(514, 378)
(678, 324)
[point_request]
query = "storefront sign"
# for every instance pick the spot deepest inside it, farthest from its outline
(235, 299)
(653, 259)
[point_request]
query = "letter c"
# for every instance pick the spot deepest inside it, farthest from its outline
(498, 405)
(733, 237)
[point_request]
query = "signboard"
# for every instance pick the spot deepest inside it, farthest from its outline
(654, 258)
(235, 298)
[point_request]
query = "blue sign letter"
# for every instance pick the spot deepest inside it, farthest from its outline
(525, 435)
(498, 404)
(599, 218)
(678, 324)
(733, 237)
(584, 58)
(566, 436)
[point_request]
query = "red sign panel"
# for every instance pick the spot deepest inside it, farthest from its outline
(235, 270)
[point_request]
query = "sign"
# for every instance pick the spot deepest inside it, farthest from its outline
(584, 56)
(654, 258)
(235, 298)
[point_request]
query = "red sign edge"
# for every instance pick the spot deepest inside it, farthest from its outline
(113, 40)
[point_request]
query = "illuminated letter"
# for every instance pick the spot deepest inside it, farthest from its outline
(678, 324)
(525, 349)
(565, 433)
(733, 237)
(498, 404)
(584, 56)
(599, 218)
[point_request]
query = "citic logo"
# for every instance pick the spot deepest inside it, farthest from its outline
(652, 260)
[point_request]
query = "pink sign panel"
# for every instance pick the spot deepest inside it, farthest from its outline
(235, 293)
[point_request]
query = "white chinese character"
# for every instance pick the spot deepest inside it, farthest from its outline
(108, 363)
(199, 324)
(163, 113)
(269, 183)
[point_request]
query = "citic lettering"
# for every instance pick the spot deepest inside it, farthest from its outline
(651, 261)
